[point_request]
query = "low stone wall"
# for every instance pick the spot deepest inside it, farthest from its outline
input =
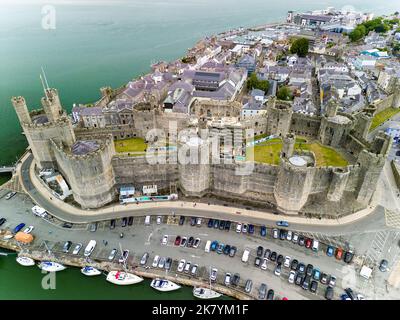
(396, 172)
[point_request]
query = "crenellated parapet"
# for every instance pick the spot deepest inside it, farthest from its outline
(279, 116)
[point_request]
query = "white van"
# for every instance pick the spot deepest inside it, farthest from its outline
(246, 255)
(315, 245)
(147, 220)
(39, 211)
(208, 245)
(89, 248)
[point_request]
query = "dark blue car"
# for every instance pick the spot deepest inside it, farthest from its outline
(282, 224)
(251, 228)
(216, 224)
(263, 231)
(227, 225)
(18, 227)
(210, 223)
(214, 245)
(330, 251)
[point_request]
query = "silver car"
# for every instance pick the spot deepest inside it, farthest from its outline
(161, 263)
(213, 274)
(248, 286)
(112, 254)
(143, 261)
(77, 248)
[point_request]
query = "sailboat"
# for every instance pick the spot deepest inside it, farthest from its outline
(164, 285)
(205, 293)
(25, 261)
(123, 278)
(90, 271)
(51, 266)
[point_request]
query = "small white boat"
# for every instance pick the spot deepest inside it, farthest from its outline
(123, 278)
(164, 285)
(205, 293)
(26, 261)
(51, 266)
(90, 271)
(8, 236)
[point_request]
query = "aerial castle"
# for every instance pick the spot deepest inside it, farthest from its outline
(88, 161)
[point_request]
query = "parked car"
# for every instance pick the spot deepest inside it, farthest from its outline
(214, 245)
(270, 295)
(251, 229)
(314, 286)
(183, 242)
(244, 228)
(294, 264)
(66, 246)
(236, 279)
(264, 264)
(275, 233)
(227, 249)
(289, 235)
(93, 227)
(2, 221)
(227, 225)
(278, 269)
(329, 293)
(344, 297)
(332, 281)
(144, 258)
(383, 266)
(267, 253)
(198, 222)
(257, 262)
(351, 294)
(112, 255)
(317, 274)
(315, 245)
(330, 251)
(301, 268)
(210, 223)
(216, 224)
(245, 256)
(159, 220)
(161, 262)
(195, 267)
(181, 265)
(348, 256)
(299, 279)
(177, 240)
(213, 274)
(220, 248)
(125, 255)
(222, 225)
(301, 241)
(260, 251)
(308, 243)
(124, 222)
(282, 224)
(29, 229)
(155, 261)
(263, 231)
(77, 248)
(273, 255)
(18, 227)
(295, 238)
(190, 242)
(287, 262)
(168, 263)
(181, 220)
(192, 221)
(262, 291)
(239, 228)
(282, 234)
(248, 286)
(196, 243)
(309, 269)
(232, 252)
(279, 260)
(306, 282)
(10, 195)
(130, 221)
(187, 267)
(324, 278)
(339, 254)
(292, 276)
(112, 224)
(227, 280)
(164, 240)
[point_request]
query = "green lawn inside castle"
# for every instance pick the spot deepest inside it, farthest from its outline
(269, 151)
(136, 146)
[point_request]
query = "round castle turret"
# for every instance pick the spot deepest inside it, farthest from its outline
(194, 166)
(87, 166)
(338, 183)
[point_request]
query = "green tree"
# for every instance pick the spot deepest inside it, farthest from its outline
(358, 33)
(254, 83)
(300, 47)
(284, 93)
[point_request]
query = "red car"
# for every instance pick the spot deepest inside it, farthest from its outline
(178, 240)
(308, 243)
(339, 254)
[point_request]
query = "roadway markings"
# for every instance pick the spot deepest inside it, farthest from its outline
(375, 251)
(392, 218)
(148, 239)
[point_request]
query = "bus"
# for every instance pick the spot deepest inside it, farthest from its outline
(89, 248)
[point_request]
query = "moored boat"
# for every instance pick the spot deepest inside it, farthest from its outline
(51, 266)
(205, 293)
(90, 271)
(25, 261)
(123, 278)
(164, 285)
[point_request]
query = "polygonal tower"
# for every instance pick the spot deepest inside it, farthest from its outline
(279, 116)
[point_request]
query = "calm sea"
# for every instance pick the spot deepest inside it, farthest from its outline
(97, 43)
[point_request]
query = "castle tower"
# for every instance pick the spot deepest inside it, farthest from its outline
(52, 105)
(106, 93)
(194, 166)
(21, 109)
(331, 108)
(338, 183)
(396, 95)
(294, 182)
(288, 145)
(87, 167)
(279, 117)
(362, 125)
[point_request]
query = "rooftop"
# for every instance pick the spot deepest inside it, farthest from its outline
(83, 147)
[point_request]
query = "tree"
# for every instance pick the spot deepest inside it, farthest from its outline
(254, 83)
(284, 94)
(358, 33)
(300, 47)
